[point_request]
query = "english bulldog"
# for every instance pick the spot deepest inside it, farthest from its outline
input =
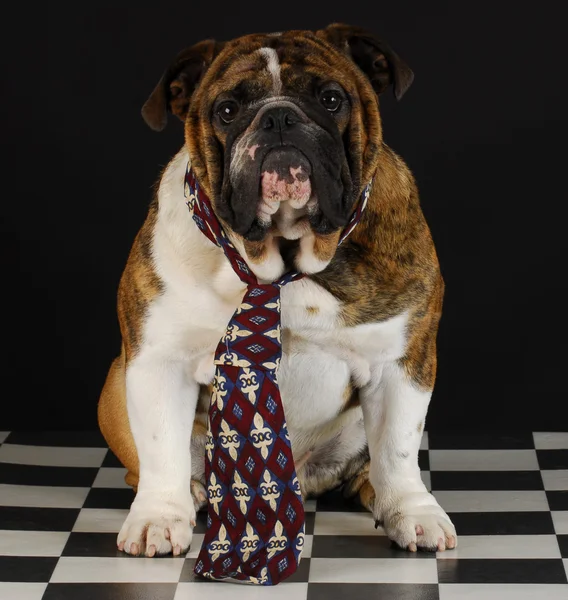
(283, 133)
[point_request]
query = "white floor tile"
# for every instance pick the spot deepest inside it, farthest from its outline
(22, 591)
(71, 569)
(100, 520)
(551, 440)
(345, 523)
(222, 591)
(3, 435)
(373, 570)
(110, 478)
(424, 441)
(504, 546)
(32, 543)
(500, 591)
(565, 561)
(492, 500)
(50, 456)
(483, 460)
(426, 479)
(42, 496)
(308, 544)
(560, 520)
(555, 480)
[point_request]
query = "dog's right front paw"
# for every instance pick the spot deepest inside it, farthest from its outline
(157, 525)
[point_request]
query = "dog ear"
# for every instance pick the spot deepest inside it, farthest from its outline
(373, 56)
(178, 83)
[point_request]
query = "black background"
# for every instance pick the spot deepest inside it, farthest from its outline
(483, 128)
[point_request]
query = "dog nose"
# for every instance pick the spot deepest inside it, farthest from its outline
(279, 119)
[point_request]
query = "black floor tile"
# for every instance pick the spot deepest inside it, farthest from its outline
(310, 521)
(480, 441)
(15, 518)
(302, 574)
(334, 501)
(54, 476)
(91, 544)
(486, 480)
(67, 439)
(360, 546)
(201, 522)
(563, 543)
(187, 574)
(27, 568)
(109, 498)
(552, 459)
(503, 523)
(501, 570)
(110, 591)
(111, 460)
(424, 460)
(372, 591)
(558, 500)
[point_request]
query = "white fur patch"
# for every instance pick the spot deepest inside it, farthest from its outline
(306, 261)
(273, 66)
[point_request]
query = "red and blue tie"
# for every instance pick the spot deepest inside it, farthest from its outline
(255, 521)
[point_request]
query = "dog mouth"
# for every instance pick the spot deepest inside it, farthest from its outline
(286, 193)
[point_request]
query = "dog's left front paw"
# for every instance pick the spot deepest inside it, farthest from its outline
(415, 520)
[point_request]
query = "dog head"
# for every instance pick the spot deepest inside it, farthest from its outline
(283, 129)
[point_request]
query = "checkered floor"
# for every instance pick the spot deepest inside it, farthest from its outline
(63, 499)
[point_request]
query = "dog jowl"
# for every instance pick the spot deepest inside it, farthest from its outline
(283, 132)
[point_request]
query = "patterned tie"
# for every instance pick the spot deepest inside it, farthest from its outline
(255, 520)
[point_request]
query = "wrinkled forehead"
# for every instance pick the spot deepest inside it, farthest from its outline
(275, 64)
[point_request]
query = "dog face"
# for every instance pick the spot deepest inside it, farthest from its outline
(283, 129)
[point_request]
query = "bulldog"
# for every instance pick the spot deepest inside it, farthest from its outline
(283, 133)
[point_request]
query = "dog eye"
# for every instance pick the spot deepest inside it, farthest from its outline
(331, 100)
(228, 111)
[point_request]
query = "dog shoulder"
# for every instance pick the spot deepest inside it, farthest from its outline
(175, 278)
(139, 284)
(388, 265)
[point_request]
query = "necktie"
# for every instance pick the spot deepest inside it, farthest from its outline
(255, 520)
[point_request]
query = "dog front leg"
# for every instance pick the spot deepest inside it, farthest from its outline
(161, 401)
(394, 410)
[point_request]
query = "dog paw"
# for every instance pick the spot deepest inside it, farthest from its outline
(415, 520)
(157, 525)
